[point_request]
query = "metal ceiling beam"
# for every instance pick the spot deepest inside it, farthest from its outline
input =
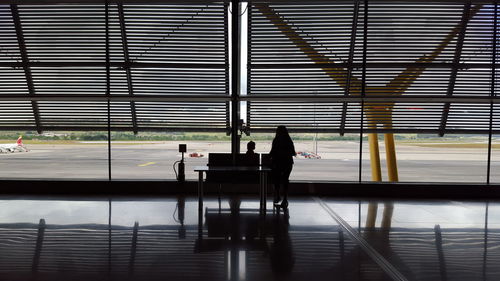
(349, 62)
(454, 70)
(116, 97)
(367, 130)
(26, 68)
(123, 29)
(359, 66)
(354, 66)
(424, 99)
(254, 130)
(136, 2)
(52, 2)
(114, 65)
(116, 129)
(373, 98)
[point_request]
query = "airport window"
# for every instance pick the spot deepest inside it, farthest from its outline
(319, 78)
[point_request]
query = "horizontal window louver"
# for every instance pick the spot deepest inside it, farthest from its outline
(53, 58)
(14, 114)
(211, 115)
(9, 49)
(430, 53)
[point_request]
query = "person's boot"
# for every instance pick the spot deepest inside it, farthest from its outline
(277, 198)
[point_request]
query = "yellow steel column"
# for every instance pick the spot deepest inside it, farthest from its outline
(374, 157)
(392, 171)
(390, 154)
(373, 143)
(376, 172)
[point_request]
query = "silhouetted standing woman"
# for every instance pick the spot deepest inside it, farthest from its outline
(282, 153)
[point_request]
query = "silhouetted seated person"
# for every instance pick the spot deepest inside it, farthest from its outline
(282, 153)
(250, 148)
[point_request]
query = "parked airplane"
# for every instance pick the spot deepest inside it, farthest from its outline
(13, 147)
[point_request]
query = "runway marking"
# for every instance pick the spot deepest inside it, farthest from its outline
(146, 164)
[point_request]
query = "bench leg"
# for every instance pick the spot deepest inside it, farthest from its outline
(200, 190)
(265, 191)
(262, 194)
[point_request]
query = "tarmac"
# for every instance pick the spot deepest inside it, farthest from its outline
(154, 161)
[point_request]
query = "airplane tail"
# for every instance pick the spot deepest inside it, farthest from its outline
(20, 141)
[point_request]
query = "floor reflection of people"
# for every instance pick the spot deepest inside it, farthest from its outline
(281, 250)
(238, 230)
(180, 207)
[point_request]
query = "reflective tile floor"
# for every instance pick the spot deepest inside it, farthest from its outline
(125, 238)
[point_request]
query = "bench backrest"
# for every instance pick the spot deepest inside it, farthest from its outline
(225, 159)
(220, 159)
(248, 160)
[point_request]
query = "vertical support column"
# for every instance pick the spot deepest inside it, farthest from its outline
(248, 63)
(363, 86)
(26, 65)
(492, 89)
(347, 91)
(374, 156)
(456, 59)
(372, 207)
(128, 72)
(390, 154)
(227, 80)
(108, 81)
(235, 77)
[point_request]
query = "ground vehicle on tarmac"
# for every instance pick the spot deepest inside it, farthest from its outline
(14, 147)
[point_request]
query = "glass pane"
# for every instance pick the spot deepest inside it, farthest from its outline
(320, 157)
(429, 158)
(53, 155)
(151, 155)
